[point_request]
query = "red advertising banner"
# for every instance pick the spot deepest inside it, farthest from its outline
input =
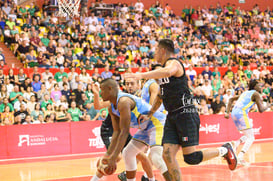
(38, 140)
(3, 142)
(85, 137)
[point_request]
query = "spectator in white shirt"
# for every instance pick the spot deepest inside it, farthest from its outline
(18, 103)
(207, 89)
(46, 74)
(191, 73)
(139, 6)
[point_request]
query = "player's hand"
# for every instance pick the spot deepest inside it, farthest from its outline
(132, 75)
(143, 118)
(226, 115)
(111, 162)
(95, 88)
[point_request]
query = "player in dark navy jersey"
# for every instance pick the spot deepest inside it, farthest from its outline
(182, 124)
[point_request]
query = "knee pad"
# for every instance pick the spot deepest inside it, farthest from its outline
(156, 158)
(193, 158)
(129, 155)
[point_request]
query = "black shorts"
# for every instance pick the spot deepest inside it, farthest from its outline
(106, 138)
(182, 128)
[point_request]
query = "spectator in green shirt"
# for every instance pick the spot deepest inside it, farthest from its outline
(6, 103)
(59, 75)
(15, 94)
(46, 102)
(248, 72)
(45, 40)
(75, 112)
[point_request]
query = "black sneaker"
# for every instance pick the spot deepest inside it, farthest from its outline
(122, 176)
(144, 178)
(230, 156)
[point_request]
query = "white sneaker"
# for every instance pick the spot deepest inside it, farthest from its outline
(242, 162)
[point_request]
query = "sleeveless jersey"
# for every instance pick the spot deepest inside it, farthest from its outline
(141, 107)
(175, 91)
(145, 94)
(245, 102)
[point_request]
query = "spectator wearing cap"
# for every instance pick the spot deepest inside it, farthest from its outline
(59, 75)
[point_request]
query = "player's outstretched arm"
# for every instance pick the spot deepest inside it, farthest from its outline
(172, 68)
(257, 99)
(230, 102)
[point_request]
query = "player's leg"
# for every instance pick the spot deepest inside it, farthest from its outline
(243, 124)
(146, 165)
(189, 138)
(248, 142)
(129, 155)
(171, 146)
(155, 132)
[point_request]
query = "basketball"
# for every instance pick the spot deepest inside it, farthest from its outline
(103, 167)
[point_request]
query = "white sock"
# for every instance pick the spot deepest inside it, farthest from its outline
(241, 155)
(243, 139)
(152, 179)
(132, 179)
(95, 178)
(222, 151)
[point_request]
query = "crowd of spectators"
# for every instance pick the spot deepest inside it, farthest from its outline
(214, 36)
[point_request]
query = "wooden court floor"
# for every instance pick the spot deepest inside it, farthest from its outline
(83, 167)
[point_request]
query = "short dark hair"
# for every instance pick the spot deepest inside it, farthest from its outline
(167, 44)
(252, 84)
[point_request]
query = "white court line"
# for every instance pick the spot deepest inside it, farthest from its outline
(52, 156)
(97, 153)
(79, 176)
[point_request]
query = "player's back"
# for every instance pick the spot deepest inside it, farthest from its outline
(141, 107)
(245, 102)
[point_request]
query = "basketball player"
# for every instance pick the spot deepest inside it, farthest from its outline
(182, 124)
(132, 87)
(240, 117)
(125, 110)
(150, 90)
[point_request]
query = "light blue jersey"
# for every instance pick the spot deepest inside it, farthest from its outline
(241, 109)
(145, 94)
(150, 132)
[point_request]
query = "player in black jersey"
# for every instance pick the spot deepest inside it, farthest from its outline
(107, 131)
(182, 124)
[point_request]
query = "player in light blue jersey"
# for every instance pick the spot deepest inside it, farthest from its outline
(125, 111)
(240, 117)
(150, 90)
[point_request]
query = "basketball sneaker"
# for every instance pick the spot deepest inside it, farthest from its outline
(122, 176)
(230, 156)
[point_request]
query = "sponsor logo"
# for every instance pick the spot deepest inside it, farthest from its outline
(257, 131)
(96, 142)
(34, 140)
(185, 139)
(214, 128)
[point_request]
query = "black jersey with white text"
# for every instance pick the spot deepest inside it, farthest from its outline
(174, 90)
